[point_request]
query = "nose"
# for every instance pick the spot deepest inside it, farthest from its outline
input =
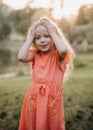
(42, 39)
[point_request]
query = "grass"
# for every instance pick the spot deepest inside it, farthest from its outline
(11, 98)
(77, 93)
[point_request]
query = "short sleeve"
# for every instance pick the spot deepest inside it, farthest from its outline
(67, 59)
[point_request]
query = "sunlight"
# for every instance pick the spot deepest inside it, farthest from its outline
(16, 4)
(57, 9)
(41, 3)
(70, 7)
(57, 13)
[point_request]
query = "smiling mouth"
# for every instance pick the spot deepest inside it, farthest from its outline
(44, 46)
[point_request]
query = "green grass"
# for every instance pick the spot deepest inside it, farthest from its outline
(77, 95)
(12, 92)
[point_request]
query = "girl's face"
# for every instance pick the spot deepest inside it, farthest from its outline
(43, 41)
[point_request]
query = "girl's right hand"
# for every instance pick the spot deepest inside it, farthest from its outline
(31, 30)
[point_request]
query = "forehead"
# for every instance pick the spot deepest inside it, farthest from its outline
(41, 30)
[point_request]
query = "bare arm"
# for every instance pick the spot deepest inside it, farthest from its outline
(59, 42)
(24, 54)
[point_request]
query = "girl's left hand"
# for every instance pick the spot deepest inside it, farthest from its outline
(51, 28)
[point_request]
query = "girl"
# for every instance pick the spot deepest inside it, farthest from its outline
(50, 56)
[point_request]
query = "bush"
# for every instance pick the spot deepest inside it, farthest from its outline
(20, 73)
(79, 63)
(5, 56)
(5, 30)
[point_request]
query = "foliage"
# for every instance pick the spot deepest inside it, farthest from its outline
(85, 15)
(64, 24)
(82, 17)
(40, 12)
(76, 29)
(5, 28)
(20, 20)
(80, 32)
(5, 56)
(82, 27)
(89, 36)
(20, 73)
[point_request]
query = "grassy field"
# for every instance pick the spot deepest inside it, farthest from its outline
(77, 93)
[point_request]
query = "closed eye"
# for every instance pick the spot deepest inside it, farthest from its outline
(37, 37)
(47, 35)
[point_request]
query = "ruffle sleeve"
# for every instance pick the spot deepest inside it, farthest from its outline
(63, 63)
(67, 59)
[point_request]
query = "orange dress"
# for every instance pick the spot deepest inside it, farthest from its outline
(43, 103)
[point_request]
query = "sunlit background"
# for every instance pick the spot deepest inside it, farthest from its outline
(75, 19)
(61, 8)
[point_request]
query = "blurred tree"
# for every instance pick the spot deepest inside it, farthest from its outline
(85, 14)
(83, 27)
(21, 20)
(65, 26)
(82, 15)
(89, 36)
(40, 12)
(80, 32)
(5, 28)
(90, 13)
(5, 56)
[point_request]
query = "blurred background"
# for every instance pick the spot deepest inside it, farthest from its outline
(75, 18)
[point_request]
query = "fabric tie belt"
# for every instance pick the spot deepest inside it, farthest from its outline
(41, 89)
(42, 105)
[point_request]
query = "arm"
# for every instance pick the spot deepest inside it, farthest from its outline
(60, 44)
(58, 41)
(24, 54)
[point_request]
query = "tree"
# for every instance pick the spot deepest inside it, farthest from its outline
(20, 21)
(5, 28)
(82, 15)
(90, 13)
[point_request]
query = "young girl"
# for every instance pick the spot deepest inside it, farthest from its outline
(50, 56)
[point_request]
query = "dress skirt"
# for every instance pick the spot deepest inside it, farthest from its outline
(42, 108)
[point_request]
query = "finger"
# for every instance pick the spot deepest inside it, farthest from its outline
(44, 20)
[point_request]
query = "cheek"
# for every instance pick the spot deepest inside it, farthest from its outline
(36, 42)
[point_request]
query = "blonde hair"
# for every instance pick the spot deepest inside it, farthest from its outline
(69, 66)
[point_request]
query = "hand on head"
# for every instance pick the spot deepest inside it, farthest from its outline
(48, 24)
(42, 21)
(31, 31)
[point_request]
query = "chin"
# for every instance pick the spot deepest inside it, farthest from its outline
(45, 49)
